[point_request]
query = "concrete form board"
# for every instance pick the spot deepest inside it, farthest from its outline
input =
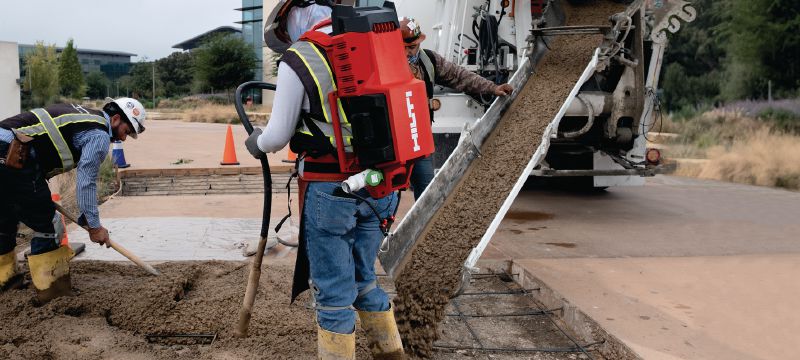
(9, 77)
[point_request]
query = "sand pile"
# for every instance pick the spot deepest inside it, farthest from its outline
(116, 306)
(432, 274)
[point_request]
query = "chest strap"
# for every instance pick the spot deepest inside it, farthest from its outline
(48, 125)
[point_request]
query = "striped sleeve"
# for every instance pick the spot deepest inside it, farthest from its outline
(93, 145)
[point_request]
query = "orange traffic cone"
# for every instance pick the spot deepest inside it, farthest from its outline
(77, 248)
(229, 156)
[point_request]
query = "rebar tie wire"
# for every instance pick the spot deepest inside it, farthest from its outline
(581, 348)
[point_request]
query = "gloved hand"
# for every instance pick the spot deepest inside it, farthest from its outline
(503, 90)
(252, 144)
(99, 235)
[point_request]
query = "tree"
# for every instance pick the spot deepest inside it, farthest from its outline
(764, 40)
(224, 62)
(41, 74)
(732, 51)
(97, 85)
(176, 73)
(141, 81)
(694, 59)
(70, 75)
(124, 84)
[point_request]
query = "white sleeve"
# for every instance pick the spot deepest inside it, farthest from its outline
(290, 98)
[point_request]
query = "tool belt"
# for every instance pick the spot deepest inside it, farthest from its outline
(17, 155)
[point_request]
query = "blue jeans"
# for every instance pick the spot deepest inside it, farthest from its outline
(421, 176)
(343, 239)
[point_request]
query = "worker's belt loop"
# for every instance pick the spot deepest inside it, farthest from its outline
(371, 286)
(45, 235)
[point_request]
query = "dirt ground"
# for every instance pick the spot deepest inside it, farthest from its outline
(117, 306)
(462, 221)
(119, 312)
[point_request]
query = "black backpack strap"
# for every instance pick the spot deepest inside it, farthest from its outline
(314, 145)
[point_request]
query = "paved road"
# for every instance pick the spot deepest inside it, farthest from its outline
(679, 268)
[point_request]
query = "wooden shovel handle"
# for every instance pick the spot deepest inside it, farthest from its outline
(125, 252)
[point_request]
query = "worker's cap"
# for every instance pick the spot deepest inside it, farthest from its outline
(411, 31)
(302, 19)
(280, 32)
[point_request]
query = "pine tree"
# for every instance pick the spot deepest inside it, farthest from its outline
(70, 75)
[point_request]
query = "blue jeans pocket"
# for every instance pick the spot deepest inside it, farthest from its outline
(335, 215)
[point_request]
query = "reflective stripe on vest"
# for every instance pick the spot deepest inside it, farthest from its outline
(49, 125)
(428, 64)
(320, 71)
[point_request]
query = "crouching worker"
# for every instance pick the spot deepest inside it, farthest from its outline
(340, 234)
(433, 69)
(37, 145)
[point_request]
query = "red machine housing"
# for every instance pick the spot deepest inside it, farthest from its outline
(373, 66)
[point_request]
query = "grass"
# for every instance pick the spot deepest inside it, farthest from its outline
(766, 158)
(758, 150)
(210, 111)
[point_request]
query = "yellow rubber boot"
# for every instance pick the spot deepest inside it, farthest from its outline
(382, 335)
(335, 346)
(50, 273)
(9, 276)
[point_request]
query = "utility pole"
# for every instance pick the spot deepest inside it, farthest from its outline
(769, 91)
(154, 84)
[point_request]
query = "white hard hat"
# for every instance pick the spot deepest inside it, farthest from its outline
(134, 111)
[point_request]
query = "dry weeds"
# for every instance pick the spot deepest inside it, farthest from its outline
(766, 158)
(734, 146)
(219, 114)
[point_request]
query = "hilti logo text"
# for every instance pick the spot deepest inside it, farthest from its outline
(413, 117)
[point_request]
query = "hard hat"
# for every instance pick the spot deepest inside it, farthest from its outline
(411, 31)
(134, 112)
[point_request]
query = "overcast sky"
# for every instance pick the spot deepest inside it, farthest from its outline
(144, 27)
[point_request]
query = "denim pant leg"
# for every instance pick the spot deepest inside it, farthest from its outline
(329, 233)
(368, 238)
(8, 221)
(27, 200)
(421, 176)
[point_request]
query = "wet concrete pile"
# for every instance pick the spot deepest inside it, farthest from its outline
(117, 306)
(433, 272)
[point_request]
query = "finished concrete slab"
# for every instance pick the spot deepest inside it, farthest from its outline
(677, 269)
(707, 307)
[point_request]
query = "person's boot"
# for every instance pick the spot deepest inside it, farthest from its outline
(335, 346)
(382, 335)
(50, 274)
(10, 278)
